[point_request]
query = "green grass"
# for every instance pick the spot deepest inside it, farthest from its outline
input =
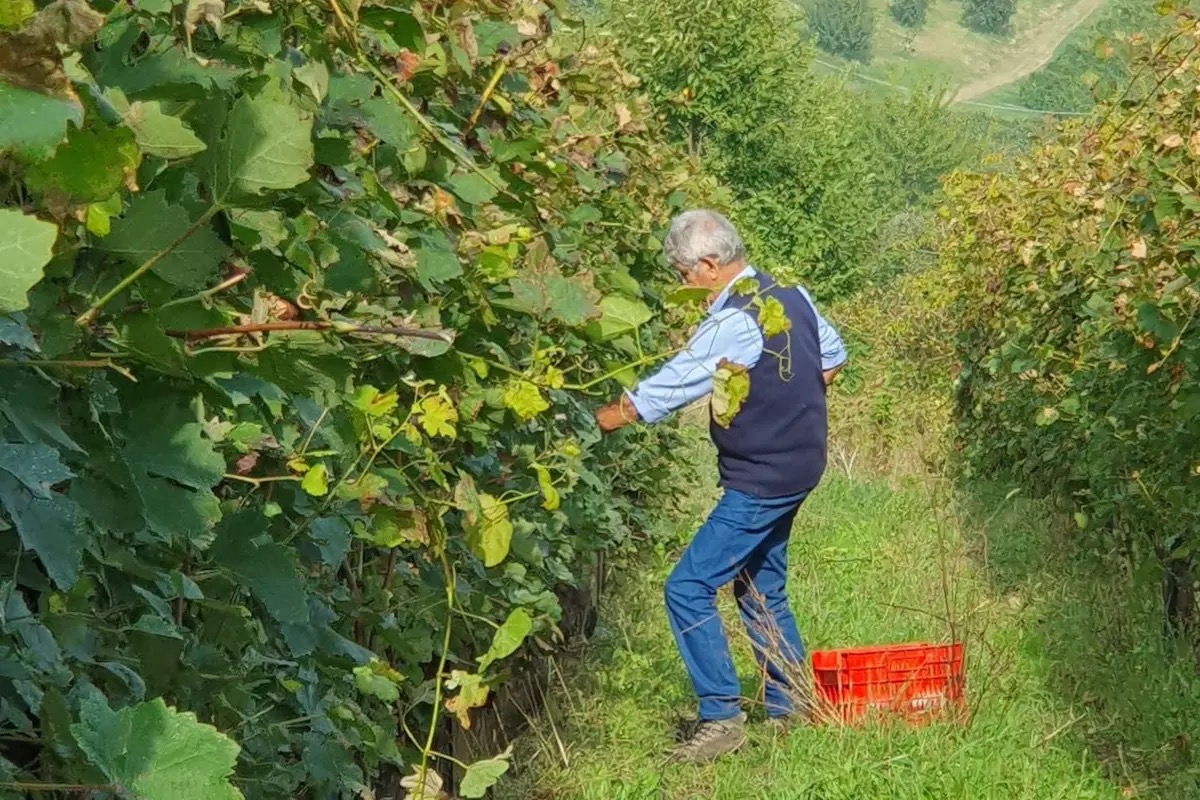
(1073, 692)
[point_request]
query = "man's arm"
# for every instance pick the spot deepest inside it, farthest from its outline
(833, 352)
(729, 334)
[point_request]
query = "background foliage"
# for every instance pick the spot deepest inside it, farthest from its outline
(989, 16)
(820, 174)
(911, 13)
(302, 307)
(842, 27)
(1078, 300)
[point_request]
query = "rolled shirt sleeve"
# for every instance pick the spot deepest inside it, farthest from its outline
(833, 352)
(727, 334)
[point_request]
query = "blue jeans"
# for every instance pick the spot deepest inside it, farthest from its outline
(745, 540)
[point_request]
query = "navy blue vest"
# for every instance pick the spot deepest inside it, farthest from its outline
(775, 445)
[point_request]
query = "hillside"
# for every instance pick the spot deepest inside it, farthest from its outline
(944, 53)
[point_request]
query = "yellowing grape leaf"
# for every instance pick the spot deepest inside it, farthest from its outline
(552, 296)
(316, 481)
(437, 415)
(393, 527)
(731, 387)
(472, 693)
(374, 403)
(550, 498)
(772, 318)
(489, 530)
(524, 399)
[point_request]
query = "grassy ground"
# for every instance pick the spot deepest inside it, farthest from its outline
(1072, 691)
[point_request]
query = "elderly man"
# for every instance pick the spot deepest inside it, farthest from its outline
(770, 453)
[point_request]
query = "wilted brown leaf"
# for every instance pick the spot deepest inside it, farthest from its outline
(210, 11)
(30, 57)
(1137, 247)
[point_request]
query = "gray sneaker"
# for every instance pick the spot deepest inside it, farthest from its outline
(712, 740)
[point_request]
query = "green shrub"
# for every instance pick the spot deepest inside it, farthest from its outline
(989, 16)
(910, 13)
(1080, 357)
(842, 27)
(303, 318)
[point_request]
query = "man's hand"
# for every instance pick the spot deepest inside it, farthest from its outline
(616, 415)
(830, 374)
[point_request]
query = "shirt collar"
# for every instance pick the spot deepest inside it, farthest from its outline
(723, 297)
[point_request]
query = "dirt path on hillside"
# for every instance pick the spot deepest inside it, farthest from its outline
(1036, 53)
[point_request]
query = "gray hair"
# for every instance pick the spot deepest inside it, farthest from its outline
(699, 234)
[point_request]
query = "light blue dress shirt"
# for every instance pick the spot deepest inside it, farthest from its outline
(729, 333)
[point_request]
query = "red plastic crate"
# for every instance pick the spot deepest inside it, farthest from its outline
(913, 680)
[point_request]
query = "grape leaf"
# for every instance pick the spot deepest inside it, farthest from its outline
(378, 680)
(267, 145)
(14, 330)
(89, 167)
(315, 481)
(571, 301)
(524, 399)
(731, 387)
(473, 188)
(481, 776)
(31, 405)
(508, 638)
(35, 465)
(489, 531)
(153, 752)
(772, 317)
(33, 124)
(26, 244)
(52, 527)
(151, 226)
(332, 537)
(618, 316)
(169, 448)
(268, 570)
(436, 261)
(390, 122)
(160, 134)
(472, 693)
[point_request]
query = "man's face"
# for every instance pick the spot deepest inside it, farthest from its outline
(705, 273)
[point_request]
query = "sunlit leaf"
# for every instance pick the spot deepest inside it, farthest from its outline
(266, 145)
(26, 243)
(731, 387)
(489, 530)
(509, 636)
(153, 752)
(619, 316)
(524, 399)
(316, 481)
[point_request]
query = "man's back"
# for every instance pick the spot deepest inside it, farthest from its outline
(775, 443)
